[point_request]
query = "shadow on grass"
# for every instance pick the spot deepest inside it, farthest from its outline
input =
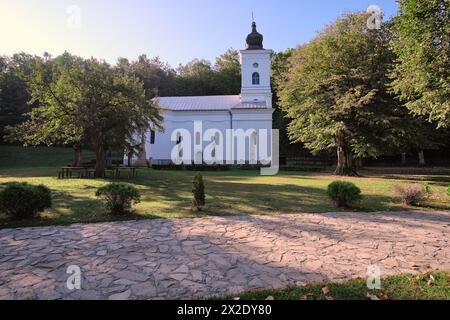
(168, 194)
(70, 209)
(437, 180)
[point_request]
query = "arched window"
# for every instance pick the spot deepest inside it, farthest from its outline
(152, 136)
(255, 78)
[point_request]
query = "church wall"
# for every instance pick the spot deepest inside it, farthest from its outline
(263, 60)
(160, 152)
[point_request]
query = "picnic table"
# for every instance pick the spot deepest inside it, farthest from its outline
(87, 172)
(130, 171)
(67, 172)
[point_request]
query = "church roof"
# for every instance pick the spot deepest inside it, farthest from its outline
(255, 39)
(207, 103)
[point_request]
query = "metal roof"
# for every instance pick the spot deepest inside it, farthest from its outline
(207, 103)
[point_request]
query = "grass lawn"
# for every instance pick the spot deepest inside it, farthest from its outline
(167, 194)
(399, 287)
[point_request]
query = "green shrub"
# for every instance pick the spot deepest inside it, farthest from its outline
(198, 190)
(343, 193)
(119, 197)
(448, 190)
(23, 200)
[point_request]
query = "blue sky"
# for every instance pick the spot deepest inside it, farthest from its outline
(176, 30)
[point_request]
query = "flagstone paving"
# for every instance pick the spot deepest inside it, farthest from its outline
(192, 258)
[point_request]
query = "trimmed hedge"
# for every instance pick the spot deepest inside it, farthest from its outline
(119, 197)
(343, 193)
(23, 200)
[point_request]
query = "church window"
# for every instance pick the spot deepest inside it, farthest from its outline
(255, 78)
(152, 137)
(255, 65)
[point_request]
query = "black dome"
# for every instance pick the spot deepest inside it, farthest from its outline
(254, 39)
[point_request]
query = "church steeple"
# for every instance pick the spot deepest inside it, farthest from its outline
(255, 63)
(254, 39)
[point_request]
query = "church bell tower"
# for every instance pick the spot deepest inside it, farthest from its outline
(256, 64)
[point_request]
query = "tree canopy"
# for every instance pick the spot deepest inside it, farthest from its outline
(87, 100)
(336, 94)
(14, 96)
(201, 78)
(422, 44)
(362, 92)
(158, 77)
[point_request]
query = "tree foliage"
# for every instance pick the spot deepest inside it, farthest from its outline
(14, 95)
(158, 77)
(86, 100)
(336, 96)
(279, 73)
(200, 78)
(422, 44)
(228, 69)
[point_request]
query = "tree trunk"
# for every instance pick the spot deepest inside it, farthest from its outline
(109, 159)
(359, 163)
(403, 158)
(130, 158)
(76, 155)
(100, 162)
(421, 158)
(345, 165)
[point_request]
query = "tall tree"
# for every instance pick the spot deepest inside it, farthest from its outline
(422, 74)
(201, 78)
(102, 105)
(228, 69)
(335, 93)
(14, 96)
(46, 124)
(158, 77)
(197, 78)
(279, 73)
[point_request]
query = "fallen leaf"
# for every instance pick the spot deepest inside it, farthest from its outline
(372, 297)
(382, 295)
(325, 290)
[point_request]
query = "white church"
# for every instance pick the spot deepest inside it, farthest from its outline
(195, 127)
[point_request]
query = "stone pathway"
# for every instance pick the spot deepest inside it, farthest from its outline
(192, 258)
